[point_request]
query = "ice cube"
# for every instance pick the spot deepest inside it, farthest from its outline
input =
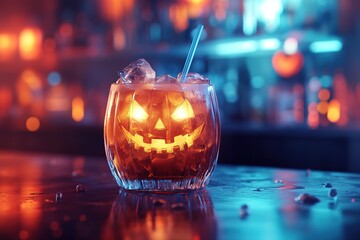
(194, 78)
(139, 71)
(166, 79)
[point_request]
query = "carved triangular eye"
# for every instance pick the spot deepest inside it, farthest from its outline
(137, 112)
(184, 111)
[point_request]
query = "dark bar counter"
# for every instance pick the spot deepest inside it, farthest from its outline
(45, 196)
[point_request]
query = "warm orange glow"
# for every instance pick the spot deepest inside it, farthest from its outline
(30, 42)
(113, 10)
(196, 7)
(178, 15)
(334, 111)
(128, 5)
(137, 112)
(343, 96)
(196, 1)
(324, 94)
(29, 207)
(57, 99)
(24, 208)
(287, 65)
(7, 46)
(184, 111)
(77, 112)
(160, 145)
(29, 83)
(119, 38)
(32, 79)
(322, 107)
(32, 124)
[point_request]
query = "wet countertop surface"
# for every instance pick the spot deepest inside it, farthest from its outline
(63, 197)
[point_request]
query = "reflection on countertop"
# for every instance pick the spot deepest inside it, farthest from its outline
(33, 208)
(161, 216)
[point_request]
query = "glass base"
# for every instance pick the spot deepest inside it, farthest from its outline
(162, 185)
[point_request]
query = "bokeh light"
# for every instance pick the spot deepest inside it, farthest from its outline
(30, 43)
(77, 111)
(32, 124)
(324, 95)
(7, 46)
(334, 111)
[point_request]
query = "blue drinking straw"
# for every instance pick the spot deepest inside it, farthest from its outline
(191, 53)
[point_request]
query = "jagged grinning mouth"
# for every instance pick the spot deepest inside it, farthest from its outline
(159, 145)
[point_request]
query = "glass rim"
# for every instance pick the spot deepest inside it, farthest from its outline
(161, 86)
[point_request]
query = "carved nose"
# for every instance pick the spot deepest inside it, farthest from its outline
(159, 125)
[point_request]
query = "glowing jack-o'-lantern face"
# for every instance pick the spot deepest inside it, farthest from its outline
(161, 121)
(162, 137)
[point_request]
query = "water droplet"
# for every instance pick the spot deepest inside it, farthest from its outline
(177, 206)
(332, 193)
(244, 211)
(307, 199)
(278, 181)
(327, 185)
(58, 196)
(80, 188)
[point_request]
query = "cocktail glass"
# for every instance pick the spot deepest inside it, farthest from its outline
(163, 134)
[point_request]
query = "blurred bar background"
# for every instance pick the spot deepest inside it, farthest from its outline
(286, 73)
